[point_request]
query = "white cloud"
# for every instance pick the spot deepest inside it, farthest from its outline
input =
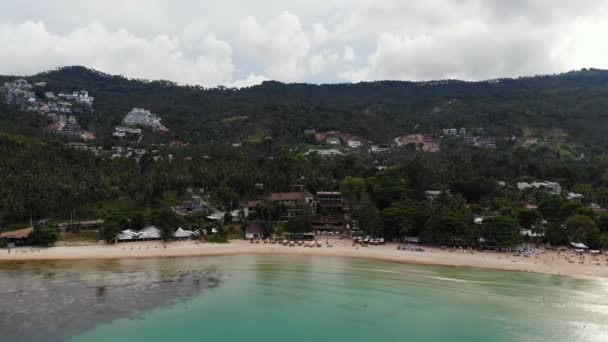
(250, 80)
(281, 44)
(373, 39)
(349, 55)
(285, 49)
(194, 58)
(319, 61)
(520, 42)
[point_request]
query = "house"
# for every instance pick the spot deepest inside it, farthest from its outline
(489, 143)
(553, 188)
(470, 140)
(354, 143)
(21, 237)
(333, 141)
(255, 230)
(574, 196)
(288, 198)
(250, 208)
(433, 194)
(327, 153)
(378, 149)
(77, 146)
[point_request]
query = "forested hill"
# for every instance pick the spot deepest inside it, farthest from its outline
(575, 103)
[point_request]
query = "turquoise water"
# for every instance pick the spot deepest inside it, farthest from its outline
(270, 298)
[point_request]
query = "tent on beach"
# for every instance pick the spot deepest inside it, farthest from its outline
(578, 245)
(183, 234)
(127, 235)
(148, 233)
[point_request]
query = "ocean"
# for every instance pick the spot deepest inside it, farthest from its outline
(292, 298)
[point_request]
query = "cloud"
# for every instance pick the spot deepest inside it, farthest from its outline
(200, 42)
(285, 48)
(524, 41)
(250, 80)
(193, 57)
(349, 55)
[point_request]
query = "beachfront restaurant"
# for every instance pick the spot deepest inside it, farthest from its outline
(21, 237)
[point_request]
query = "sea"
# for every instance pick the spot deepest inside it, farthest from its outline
(292, 298)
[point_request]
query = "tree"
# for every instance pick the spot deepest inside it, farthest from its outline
(167, 221)
(602, 222)
(581, 228)
(549, 207)
(403, 218)
(368, 218)
(501, 231)
(556, 234)
(528, 218)
(114, 221)
(450, 222)
(137, 221)
(45, 235)
(353, 190)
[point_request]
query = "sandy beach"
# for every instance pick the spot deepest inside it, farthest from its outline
(548, 263)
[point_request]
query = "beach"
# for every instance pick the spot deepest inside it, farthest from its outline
(550, 262)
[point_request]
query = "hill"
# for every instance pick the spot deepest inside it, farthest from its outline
(573, 103)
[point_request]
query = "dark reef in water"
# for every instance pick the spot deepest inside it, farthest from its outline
(53, 304)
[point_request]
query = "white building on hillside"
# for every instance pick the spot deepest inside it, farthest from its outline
(142, 117)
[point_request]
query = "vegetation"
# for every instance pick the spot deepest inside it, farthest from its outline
(45, 235)
(43, 178)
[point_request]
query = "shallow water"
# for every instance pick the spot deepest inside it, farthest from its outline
(280, 298)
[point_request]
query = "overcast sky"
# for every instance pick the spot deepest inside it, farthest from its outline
(240, 43)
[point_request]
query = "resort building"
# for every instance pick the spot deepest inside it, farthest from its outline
(329, 216)
(354, 144)
(142, 117)
(333, 141)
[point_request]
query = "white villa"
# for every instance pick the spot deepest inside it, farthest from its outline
(142, 117)
(354, 143)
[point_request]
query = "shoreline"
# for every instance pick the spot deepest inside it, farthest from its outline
(550, 263)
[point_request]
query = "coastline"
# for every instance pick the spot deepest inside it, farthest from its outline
(547, 263)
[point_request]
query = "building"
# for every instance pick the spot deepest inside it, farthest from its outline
(470, 140)
(255, 230)
(433, 194)
(333, 141)
(290, 205)
(354, 143)
(329, 208)
(329, 201)
(21, 237)
(142, 117)
(378, 149)
(575, 196)
(550, 187)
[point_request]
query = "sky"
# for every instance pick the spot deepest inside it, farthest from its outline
(242, 43)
